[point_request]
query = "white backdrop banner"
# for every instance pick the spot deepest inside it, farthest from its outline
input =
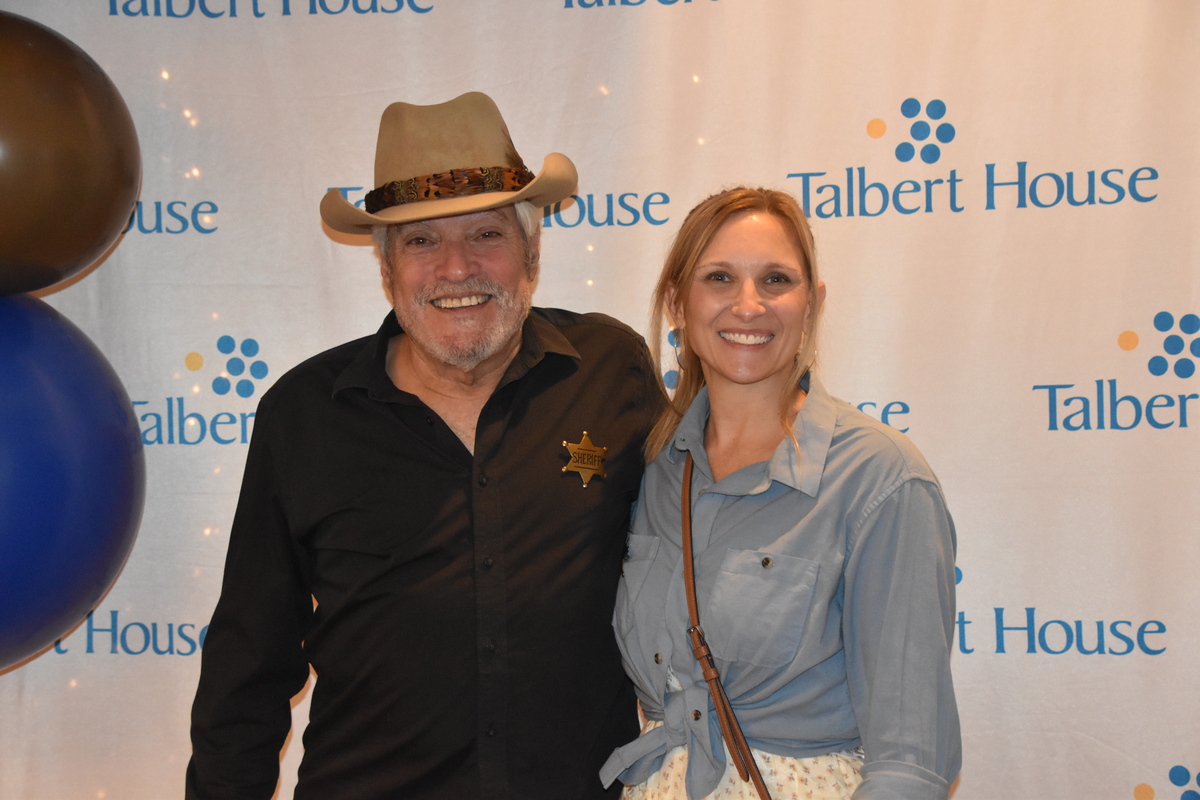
(1004, 196)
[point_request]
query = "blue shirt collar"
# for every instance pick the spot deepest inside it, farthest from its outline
(801, 471)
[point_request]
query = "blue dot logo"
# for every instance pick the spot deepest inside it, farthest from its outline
(235, 366)
(919, 130)
(1179, 776)
(671, 376)
(1180, 346)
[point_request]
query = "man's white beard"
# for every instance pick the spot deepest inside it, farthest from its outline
(474, 345)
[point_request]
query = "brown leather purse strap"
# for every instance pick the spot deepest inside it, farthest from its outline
(743, 759)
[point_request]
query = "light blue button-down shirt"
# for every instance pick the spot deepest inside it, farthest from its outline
(825, 584)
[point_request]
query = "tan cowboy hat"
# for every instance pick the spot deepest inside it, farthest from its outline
(451, 158)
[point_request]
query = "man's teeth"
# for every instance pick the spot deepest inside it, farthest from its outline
(746, 338)
(461, 302)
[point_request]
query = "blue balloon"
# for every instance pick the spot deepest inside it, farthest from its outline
(72, 476)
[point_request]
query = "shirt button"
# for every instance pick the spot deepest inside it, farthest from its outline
(766, 562)
(483, 480)
(658, 658)
(696, 714)
(488, 561)
(491, 731)
(490, 646)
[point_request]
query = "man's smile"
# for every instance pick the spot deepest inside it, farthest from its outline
(461, 302)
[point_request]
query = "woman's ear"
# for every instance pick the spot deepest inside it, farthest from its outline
(670, 297)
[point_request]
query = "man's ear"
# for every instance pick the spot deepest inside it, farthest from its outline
(534, 255)
(385, 276)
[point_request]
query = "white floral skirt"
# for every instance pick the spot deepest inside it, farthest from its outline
(829, 777)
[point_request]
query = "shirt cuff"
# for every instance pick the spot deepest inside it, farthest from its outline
(898, 780)
(637, 761)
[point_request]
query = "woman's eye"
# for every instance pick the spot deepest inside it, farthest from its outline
(716, 276)
(776, 277)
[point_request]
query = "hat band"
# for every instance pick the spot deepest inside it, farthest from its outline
(454, 183)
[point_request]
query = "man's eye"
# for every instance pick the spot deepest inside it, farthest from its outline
(417, 241)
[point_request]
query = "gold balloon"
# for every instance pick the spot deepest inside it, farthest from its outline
(70, 166)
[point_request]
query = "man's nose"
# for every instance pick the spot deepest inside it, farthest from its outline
(456, 262)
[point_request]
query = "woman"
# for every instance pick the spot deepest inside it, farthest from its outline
(823, 551)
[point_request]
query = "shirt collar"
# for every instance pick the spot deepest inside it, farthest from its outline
(368, 370)
(813, 429)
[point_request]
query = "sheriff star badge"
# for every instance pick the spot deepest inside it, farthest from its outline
(586, 459)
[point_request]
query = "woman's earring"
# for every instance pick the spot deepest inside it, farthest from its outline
(671, 377)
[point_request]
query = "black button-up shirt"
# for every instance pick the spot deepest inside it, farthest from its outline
(456, 608)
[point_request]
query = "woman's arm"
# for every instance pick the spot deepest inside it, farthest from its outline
(898, 624)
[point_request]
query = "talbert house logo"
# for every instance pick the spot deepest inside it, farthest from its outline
(213, 413)
(1169, 349)
(913, 165)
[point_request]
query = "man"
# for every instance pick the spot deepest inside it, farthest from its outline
(434, 517)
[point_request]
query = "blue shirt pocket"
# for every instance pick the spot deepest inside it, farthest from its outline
(759, 606)
(639, 555)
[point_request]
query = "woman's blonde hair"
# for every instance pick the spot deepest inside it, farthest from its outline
(698, 229)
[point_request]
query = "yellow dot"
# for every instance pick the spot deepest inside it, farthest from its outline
(1127, 340)
(876, 128)
(1143, 792)
(193, 361)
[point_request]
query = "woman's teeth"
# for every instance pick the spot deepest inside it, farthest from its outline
(746, 338)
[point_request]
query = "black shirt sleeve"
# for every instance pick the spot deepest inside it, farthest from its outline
(253, 661)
